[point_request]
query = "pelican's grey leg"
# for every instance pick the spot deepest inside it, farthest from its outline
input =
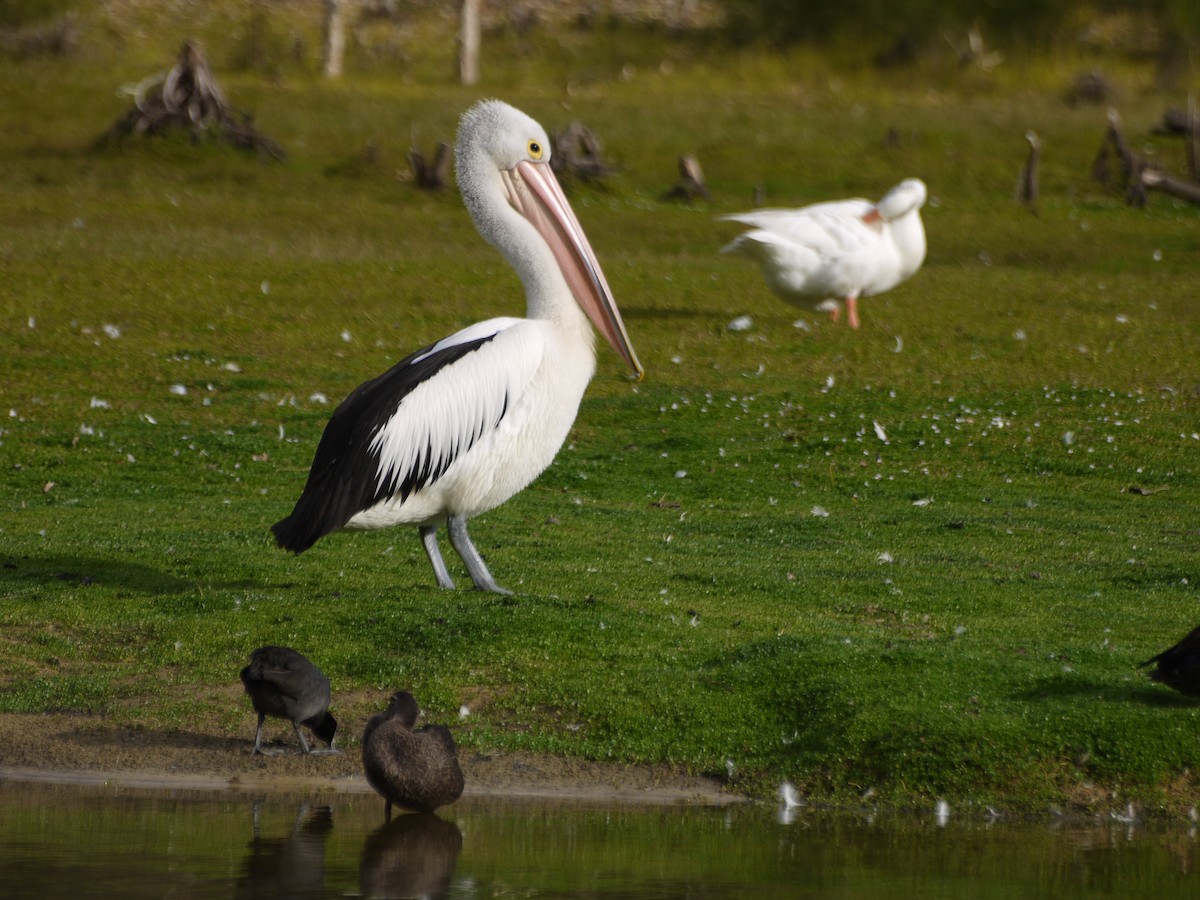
(457, 526)
(429, 539)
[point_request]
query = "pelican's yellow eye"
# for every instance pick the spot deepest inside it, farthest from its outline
(535, 149)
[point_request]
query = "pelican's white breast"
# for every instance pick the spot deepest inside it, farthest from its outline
(487, 425)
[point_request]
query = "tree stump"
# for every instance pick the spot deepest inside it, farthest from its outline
(1027, 180)
(1178, 121)
(188, 97)
(1089, 87)
(691, 181)
(577, 153)
(431, 176)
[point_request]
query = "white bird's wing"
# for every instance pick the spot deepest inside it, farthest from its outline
(771, 218)
(401, 431)
(831, 229)
(444, 413)
(786, 264)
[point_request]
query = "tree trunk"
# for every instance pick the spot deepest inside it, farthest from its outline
(468, 43)
(335, 38)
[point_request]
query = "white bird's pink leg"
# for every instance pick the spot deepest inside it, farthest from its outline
(852, 311)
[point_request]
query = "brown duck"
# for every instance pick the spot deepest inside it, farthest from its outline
(415, 770)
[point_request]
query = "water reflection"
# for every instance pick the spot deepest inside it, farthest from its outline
(112, 842)
(289, 866)
(410, 856)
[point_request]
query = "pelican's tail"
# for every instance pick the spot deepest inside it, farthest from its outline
(296, 533)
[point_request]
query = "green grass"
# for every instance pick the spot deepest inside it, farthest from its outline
(964, 622)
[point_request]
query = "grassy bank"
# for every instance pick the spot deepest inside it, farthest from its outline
(964, 619)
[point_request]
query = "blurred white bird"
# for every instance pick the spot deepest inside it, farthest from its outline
(789, 802)
(942, 813)
(819, 255)
(789, 796)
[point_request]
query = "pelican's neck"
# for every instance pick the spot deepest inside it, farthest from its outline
(547, 295)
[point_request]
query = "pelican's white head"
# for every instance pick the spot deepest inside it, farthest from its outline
(499, 133)
(493, 139)
(502, 161)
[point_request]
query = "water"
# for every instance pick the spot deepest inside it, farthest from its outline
(58, 841)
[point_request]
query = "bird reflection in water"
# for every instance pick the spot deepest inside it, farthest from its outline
(291, 866)
(413, 855)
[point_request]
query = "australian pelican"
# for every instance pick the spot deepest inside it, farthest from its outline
(457, 428)
(818, 255)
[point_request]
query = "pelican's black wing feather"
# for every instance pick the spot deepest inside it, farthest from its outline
(344, 478)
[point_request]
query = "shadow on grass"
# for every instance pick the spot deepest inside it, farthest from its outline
(653, 312)
(1147, 694)
(85, 572)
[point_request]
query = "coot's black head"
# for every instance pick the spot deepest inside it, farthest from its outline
(326, 729)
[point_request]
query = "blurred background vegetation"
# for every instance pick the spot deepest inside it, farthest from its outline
(1013, 24)
(275, 35)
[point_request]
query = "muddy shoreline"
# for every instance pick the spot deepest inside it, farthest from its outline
(88, 750)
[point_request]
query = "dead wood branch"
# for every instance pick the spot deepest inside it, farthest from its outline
(1184, 190)
(1027, 180)
(1183, 122)
(1138, 172)
(1132, 165)
(188, 97)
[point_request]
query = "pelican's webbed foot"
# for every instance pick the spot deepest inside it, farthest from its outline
(457, 526)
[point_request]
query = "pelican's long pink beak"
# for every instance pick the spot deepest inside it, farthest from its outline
(546, 207)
